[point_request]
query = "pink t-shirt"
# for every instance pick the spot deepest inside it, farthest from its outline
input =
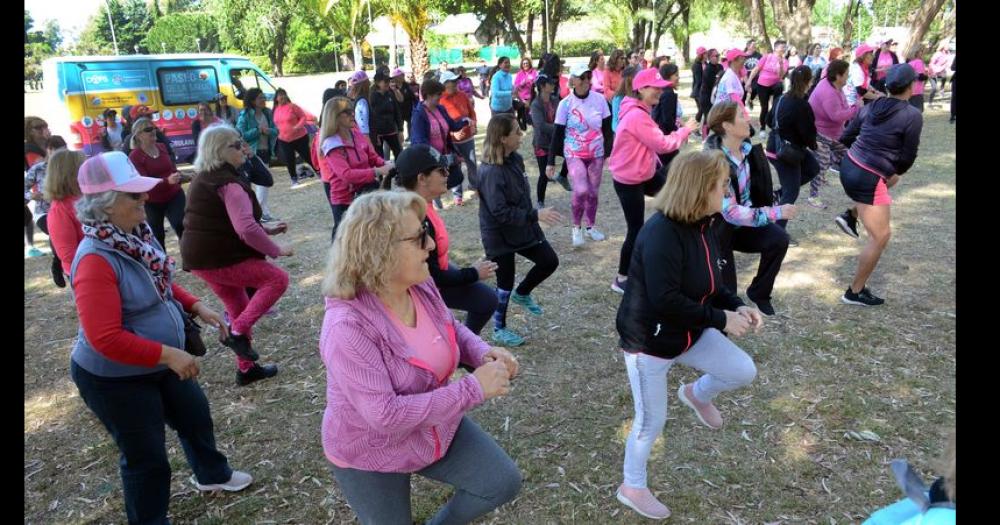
(583, 119)
(431, 350)
(920, 69)
(439, 129)
(290, 121)
(884, 63)
(770, 70)
(240, 211)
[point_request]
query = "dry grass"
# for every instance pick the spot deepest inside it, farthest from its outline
(786, 454)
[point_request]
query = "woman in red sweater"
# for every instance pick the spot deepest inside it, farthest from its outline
(292, 135)
(166, 199)
(459, 106)
(62, 191)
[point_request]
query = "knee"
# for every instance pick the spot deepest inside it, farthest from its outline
(552, 262)
(881, 237)
(745, 373)
(281, 280)
(506, 485)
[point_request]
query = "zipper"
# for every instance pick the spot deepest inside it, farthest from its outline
(153, 283)
(437, 443)
(711, 280)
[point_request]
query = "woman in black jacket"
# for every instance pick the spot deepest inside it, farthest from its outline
(697, 71)
(665, 112)
(675, 310)
(794, 122)
(713, 69)
(423, 170)
(386, 118)
(508, 224)
(543, 116)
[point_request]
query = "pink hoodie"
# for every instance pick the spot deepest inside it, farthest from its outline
(385, 410)
(831, 109)
(638, 141)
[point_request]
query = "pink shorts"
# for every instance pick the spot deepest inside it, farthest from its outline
(882, 197)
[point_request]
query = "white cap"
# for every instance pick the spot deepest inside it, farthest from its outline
(578, 70)
(447, 76)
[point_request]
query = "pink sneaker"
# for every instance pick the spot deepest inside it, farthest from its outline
(706, 412)
(643, 501)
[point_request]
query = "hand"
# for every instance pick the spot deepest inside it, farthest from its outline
(211, 318)
(493, 379)
(549, 216)
(264, 130)
(736, 324)
(501, 354)
(550, 172)
(788, 211)
(382, 171)
(892, 181)
(389, 165)
(485, 268)
(691, 124)
(174, 178)
(286, 251)
(753, 316)
(181, 362)
(36, 196)
(279, 228)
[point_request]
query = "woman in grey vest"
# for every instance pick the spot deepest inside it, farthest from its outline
(129, 362)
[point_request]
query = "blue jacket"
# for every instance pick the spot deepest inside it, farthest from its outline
(420, 126)
(144, 313)
(246, 124)
(885, 136)
(501, 91)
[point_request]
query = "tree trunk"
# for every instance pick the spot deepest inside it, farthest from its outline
(356, 47)
(848, 27)
(545, 30)
(763, 24)
(392, 48)
(687, 35)
(531, 31)
(419, 60)
(508, 16)
(920, 23)
(794, 19)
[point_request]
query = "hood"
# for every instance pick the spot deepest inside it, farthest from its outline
(334, 141)
(714, 141)
(885, 108)
(631, 104)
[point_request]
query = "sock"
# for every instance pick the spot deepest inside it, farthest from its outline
(244, 364)
(500, 315)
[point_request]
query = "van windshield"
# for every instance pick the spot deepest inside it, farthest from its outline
(246, 78)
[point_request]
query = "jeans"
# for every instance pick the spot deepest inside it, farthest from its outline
(726, 367)
(338, 215)
(770, 241)
(286, 152)
(478, 300)
(543, 181)
(632, 198)
(793, 177)
(585, 177)
(173, 210)
(133, 410)
(483, 475)
(467, 150)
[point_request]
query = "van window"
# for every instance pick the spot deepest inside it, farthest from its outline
(187, 85)
(244, 79)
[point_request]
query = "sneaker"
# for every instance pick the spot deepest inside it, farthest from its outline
(527, 302)
(237, 482)
(618, 286)
(816, 203)
(459, 201)
(256, 374)
(645, 504)
(34, 252)
(504, 337)
(266, 218)
(848, 223)
(862, 298)
(240, 344)
(564, 182)
(595, 234)
(297, 184)
(577, 236)
(706, 412)
(793, 242)
(765, 307)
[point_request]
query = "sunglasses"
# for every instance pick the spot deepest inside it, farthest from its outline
(134, 196)
(237, 145)
(149, 130)
(421, 238)
(40, 126)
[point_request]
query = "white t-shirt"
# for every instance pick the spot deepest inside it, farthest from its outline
(855, 78)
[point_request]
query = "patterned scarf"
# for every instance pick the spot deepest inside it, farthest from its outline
(138, 244)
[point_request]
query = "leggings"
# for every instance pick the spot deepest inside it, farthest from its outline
(829, 153)
(478, 300)
(632, 198)
(545, 259)
(585, 176)
(287, 150)
(43, 224)
(29, 227)
(392, 141)
(338, 215)
(765, 93)
(792, 177)
(543, 181)
(173, 210)
(467, 150)
(521, 109)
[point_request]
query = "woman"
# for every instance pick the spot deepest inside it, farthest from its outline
(552, 68)
(501, 88)
(465, 85)
(613, 73)
(793, 58)
(882, 145)
(712, 71)
(256, 125)
(112, 136)
(596, 66)
(225, 245)
(917, 63)
(674, 312)
(459, 106)
(293, 138)
(829, 105)
(508, 224)
(63, 227)
(422, 171)
(883, 59)
(36, 136)
(624, 90)
(667, 112)
(36, 184)
(390, 346)
(635, 164)
(523, 84)
(697, 73)
(815, 61)
(768, 79)
(432, 125)
(858, 79)
(353, 163)
(583, 138)
(224, 111)
(730, 87)
(205, 119)
(543, 115)
(386, 119)
(938, 67)
(748, 209)
(167, 199)
(405, 98)
(129, 362)
(360, 93)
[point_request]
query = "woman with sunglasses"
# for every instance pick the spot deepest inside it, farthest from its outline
(167, 199)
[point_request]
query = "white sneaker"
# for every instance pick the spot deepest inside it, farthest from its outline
(595, 234)
(577, 236)
(237, 482)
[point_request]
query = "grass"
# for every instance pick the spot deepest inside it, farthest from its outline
(786, 454)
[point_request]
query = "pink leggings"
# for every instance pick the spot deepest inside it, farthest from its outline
(585, 176)
(230, 284)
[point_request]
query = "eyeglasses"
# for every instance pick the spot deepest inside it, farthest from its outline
(149, 130)
(420, 237)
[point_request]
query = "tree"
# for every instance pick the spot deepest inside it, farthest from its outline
(38, 46)
(794, 17)
(346, 18)
(920, 22)
(255, 27)
(183, 33)
(413, 16)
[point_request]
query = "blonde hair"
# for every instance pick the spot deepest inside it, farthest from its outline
(690, 181)
(333, 107)
(60, 175)
(137, 127)
(499, 127)
(721, 113)
(212, 145)
(363, 254)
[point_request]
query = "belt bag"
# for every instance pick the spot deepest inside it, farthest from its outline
(786, 151)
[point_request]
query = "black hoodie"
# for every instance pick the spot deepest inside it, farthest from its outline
(884, 137)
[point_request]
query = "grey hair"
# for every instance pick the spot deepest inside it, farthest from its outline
(92, 208)
(137, 128)
(212, 143)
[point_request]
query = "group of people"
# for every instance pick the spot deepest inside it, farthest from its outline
(389, 340)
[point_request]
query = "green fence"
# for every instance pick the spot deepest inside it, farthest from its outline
(487, 53)
(491, 53)
(451, 56)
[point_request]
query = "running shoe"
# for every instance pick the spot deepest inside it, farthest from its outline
(647, 505)
(862, 298)
(618, 286)
(34, 252)
(848, 223)
(256, 374)
(706, 412)
(504, 337)
(595, 234)
(815, 202)
(527, 302)
(237, 482)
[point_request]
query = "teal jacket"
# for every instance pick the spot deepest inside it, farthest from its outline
(246, 124)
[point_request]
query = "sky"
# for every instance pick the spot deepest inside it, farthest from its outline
(72, 15)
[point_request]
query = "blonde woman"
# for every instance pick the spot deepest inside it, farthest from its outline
(166, 199)
(391, 346)
(674, 311)
(61, 224)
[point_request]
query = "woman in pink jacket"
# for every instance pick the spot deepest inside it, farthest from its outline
(523, 82)
(829, 105)
(634, 164)
(292, 135)
(390, 346)
(350, 158)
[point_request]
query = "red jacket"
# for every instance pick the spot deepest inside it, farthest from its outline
(351, 166)
(65, 230)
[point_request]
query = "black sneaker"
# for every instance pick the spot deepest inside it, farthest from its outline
(764, 305)
(57, 273)
(256, 374)
(240, 344)
(848, 223)
(862, 298)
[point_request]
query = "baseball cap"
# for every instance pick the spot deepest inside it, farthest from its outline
(648, 77)
(358, 76)
(700, 50)
(419, 158)
(900, 76)
(140, 111)
(447, 76)
(578, 70)
(112, 171)
(862, 49)
(397, 73)
(734, 53)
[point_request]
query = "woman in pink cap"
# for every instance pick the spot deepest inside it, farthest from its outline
(858, 77)
(730, 86)
(359, 93)
(883, 59)
(769, 77)
(131, 363)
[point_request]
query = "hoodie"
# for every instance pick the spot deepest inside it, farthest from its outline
(638, 141)
(884, 137)
(831, 109)
(352, 166)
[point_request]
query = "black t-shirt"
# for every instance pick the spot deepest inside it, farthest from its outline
(752, 61)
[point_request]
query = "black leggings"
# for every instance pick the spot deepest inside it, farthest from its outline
(287, 150)
(632, 198)
(545, 259)
(173, 210)
(29, 227)
(394, 146)
(543, 181)
(765, 94)
(43, 224)
(521, 109)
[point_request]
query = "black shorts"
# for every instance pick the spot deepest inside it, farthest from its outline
(863, 186)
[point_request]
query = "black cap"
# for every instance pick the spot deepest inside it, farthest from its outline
(899, 76)
(417, 159)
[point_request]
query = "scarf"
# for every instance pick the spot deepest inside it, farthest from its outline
(138, 244)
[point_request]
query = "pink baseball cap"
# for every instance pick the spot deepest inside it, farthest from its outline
(397, 73)
(112, 171)
(734, 53)
(862, 49)
(648, 77)
(700, 50)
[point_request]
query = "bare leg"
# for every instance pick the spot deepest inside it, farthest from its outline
(877, 224)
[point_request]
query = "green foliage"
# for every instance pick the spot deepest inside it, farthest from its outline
(579, 48)
(177, 33)
(312, 49)
(38, 46)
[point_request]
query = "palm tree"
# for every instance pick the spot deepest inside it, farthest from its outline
(413, 17)
(347, 18)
